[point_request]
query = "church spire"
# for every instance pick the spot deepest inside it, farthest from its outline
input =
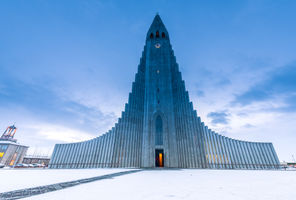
(157, 29)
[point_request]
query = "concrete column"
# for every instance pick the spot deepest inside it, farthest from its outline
(103, 150)
(73, 160)
(178, 127)
(227, 157)
(70, 156)
(261, 159)
(64, 153)
(260, 162)
(270, 155)
(78, 152)
(249, 160)
(107, 144)
(235, 154)
(54, 157)
(81, 155)
(269, 159)
(74, 156)
(202, 134)
(100, 147)
(192, 141)
(244, 156)
(53, 161)
(200, 142)
(213, 159)
(106, 148)
(109, 140)
(230, 153)
(252, 157)
(263, 154)
(136, 143)
(221, 151)
(256, 156)
(184, 132)
(117, 143)
(94, 153)
(92, 156)
(84, 154)
(88, 154)
(238, 154)
(207, 150)
(216, 148)
(112, 141)
(59, 155)
(275, 156)
(122, 140)
(194, 136)
(114, 157)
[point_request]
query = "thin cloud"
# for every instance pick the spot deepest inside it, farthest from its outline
(219, 117)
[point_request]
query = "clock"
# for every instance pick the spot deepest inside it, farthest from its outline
(157, 45)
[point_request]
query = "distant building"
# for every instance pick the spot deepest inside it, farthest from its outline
(11, 153)
(31, 159)
(159, 126)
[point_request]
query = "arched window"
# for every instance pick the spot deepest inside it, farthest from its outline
(163, 35)
(157, 34)
(158, 131)
(151, 35)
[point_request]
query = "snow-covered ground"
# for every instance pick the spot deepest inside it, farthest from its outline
(159, 184)
(14, 179)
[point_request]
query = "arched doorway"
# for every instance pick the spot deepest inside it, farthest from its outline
(159, 158)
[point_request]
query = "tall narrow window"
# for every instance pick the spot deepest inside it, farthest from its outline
(157, 34)
(151, 35)
(163, 35)
(158, 131)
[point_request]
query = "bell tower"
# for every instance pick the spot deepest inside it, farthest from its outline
(158, 127)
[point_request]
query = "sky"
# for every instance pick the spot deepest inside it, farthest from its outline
(66, 67)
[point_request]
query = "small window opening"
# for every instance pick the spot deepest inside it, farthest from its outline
(157, 89)
(151, 35)
(163, 35)
(158, 102)
(157, 34)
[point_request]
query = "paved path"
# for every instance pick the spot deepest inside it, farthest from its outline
(18, 194)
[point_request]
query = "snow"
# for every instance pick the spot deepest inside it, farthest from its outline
(14, 179)
(163, 184)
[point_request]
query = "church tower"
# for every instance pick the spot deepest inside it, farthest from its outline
(159, 132)
(160, 128)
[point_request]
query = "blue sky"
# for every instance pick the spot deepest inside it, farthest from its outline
(66, 67)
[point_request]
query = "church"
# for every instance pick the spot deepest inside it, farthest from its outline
(159, 126)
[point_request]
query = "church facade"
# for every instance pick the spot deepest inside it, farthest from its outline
(159, 126)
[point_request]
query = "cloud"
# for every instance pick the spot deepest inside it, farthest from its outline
(200, 93)
(248, 126)
(60, 133)
(281, 84)
(218, 117)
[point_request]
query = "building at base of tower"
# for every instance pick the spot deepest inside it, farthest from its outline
(11, 152)
(160, 128)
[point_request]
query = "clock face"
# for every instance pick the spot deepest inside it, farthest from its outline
(157, 45)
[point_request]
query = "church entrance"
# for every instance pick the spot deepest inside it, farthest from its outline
(159, 158)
